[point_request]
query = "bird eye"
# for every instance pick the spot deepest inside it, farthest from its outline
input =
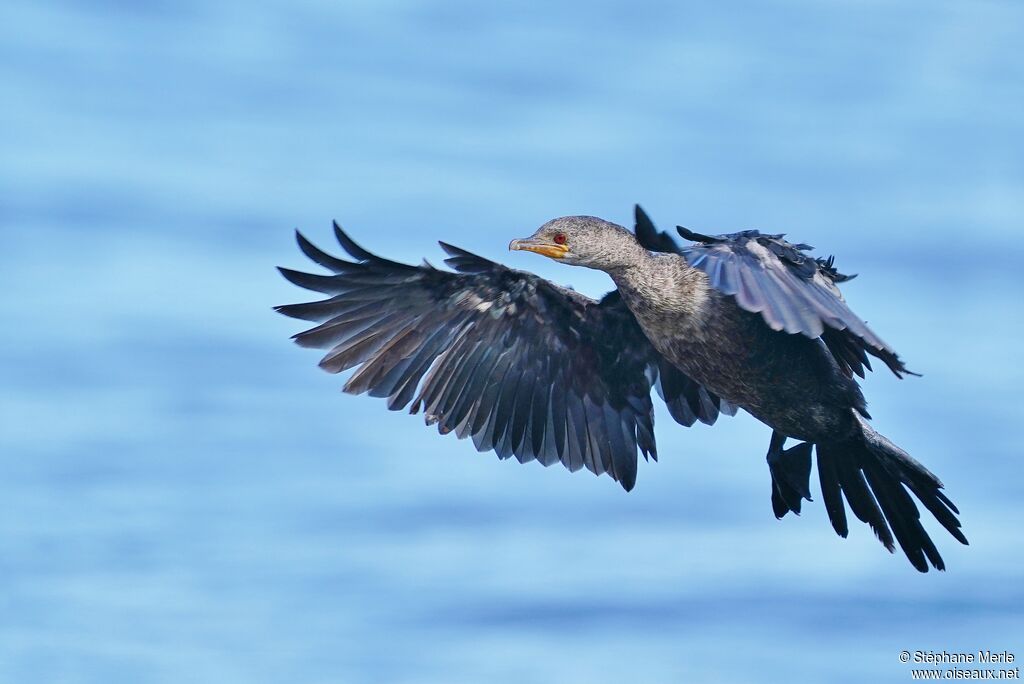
(559, 238)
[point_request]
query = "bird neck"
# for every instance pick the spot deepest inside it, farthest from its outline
(660, 284)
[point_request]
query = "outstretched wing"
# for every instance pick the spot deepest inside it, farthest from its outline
(520, 365)
(791, 290)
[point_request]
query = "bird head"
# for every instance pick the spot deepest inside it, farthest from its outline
(582, 241)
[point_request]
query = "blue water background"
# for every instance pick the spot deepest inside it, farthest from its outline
(185, 497)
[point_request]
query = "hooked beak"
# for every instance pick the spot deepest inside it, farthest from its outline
(540, 246)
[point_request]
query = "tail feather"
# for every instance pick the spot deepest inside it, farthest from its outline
(831, 492)
(859, 496)
(904, 519)
(874, 475)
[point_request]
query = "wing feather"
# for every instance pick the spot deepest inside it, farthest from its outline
(791, 290)
(521, 366)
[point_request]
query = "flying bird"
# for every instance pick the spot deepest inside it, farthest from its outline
(536, 371)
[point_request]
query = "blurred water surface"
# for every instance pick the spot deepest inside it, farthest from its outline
(185, 497)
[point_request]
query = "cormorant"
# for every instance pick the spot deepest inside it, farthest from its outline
(540, 372)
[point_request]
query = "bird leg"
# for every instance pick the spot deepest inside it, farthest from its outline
(791, 473)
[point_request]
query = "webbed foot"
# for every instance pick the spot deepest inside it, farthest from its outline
(791, 474)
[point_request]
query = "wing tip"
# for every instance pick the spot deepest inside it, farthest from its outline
(350, 245)
(464, 261)
(693, 236)
(291, 275)
(641, 216)
(285, 310)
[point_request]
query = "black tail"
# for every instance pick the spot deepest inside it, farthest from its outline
(874, 475)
